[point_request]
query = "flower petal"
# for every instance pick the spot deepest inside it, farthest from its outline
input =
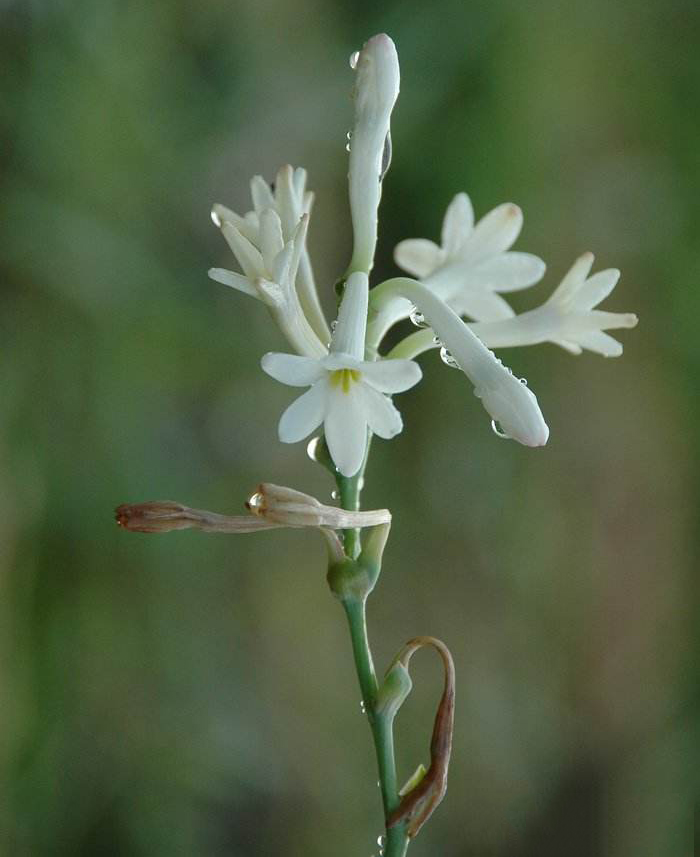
(292, 369)
(234, 280)
(506, 272)
(573, 280)
(596, 288)
(600, 343)
(391, 376)
(418, 256)
(248, 256)
(304, 414)
(494, 233)
(345, 427)
(481, 306)
(457, 224)
(351, 327)
(381, 415)
(261, 194)
(271, 241)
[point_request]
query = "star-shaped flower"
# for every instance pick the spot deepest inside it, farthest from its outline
(347, 393)
(568, 318)
(474, 262)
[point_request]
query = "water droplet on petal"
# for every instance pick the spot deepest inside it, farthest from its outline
(215, 219)
(523, 381)
(363, 707)
(334, 324)
(381, 840)
(448, 359)
(417, 318)
(437, 341)
(498, 431)
(354, 57)
(335, 495)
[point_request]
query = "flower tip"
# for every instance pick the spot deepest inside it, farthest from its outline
(513, 211)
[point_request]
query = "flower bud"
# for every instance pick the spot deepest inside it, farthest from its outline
(395, 688)
(376, 91)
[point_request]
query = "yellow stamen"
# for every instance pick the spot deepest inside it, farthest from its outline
(344, 378)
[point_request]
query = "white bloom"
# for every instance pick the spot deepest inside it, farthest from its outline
(347, 393)
(568, 318)
(473, 263)
(270, 246)
(376, 91)
(508, 400)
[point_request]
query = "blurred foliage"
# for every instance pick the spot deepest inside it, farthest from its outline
(193, 694)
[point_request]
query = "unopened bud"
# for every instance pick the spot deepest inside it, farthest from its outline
(395, 688)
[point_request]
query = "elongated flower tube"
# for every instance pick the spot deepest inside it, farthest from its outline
(511, 403)
(376, 90)
(347, 394)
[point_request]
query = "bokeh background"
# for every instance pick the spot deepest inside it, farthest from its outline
(193, 694)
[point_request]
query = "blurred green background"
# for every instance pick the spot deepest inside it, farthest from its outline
(194, 694)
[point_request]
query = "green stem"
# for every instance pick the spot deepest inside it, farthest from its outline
(396, 842)
(349, 488)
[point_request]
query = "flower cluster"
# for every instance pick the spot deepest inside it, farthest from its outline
(455, 294)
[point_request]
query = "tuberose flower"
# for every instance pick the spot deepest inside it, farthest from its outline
(568, 318)
(347, 393)
(473, 263)
(269, 244)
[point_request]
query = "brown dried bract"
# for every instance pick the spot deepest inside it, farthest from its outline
(418, 805)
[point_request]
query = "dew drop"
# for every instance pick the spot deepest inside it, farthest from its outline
(256, 502)
(363, 707)
(381, 841)
(347, 147)
(417, 318)
(215, 219)
(335, 495)
(437, 341)
(498, 431)
(312, 448)
(354, 57)
(386, 157)
(448, 359)
(334, 324)
(523, 381)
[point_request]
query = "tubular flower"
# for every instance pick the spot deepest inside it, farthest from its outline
(269, 244)
(347, 394)
(568, 318)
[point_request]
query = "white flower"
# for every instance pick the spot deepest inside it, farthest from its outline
(270, 246)
(347, 393)
(509, 401)
(473, 263)
(376, 91)
(568, 318)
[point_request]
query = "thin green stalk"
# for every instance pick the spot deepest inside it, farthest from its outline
(396, 841)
